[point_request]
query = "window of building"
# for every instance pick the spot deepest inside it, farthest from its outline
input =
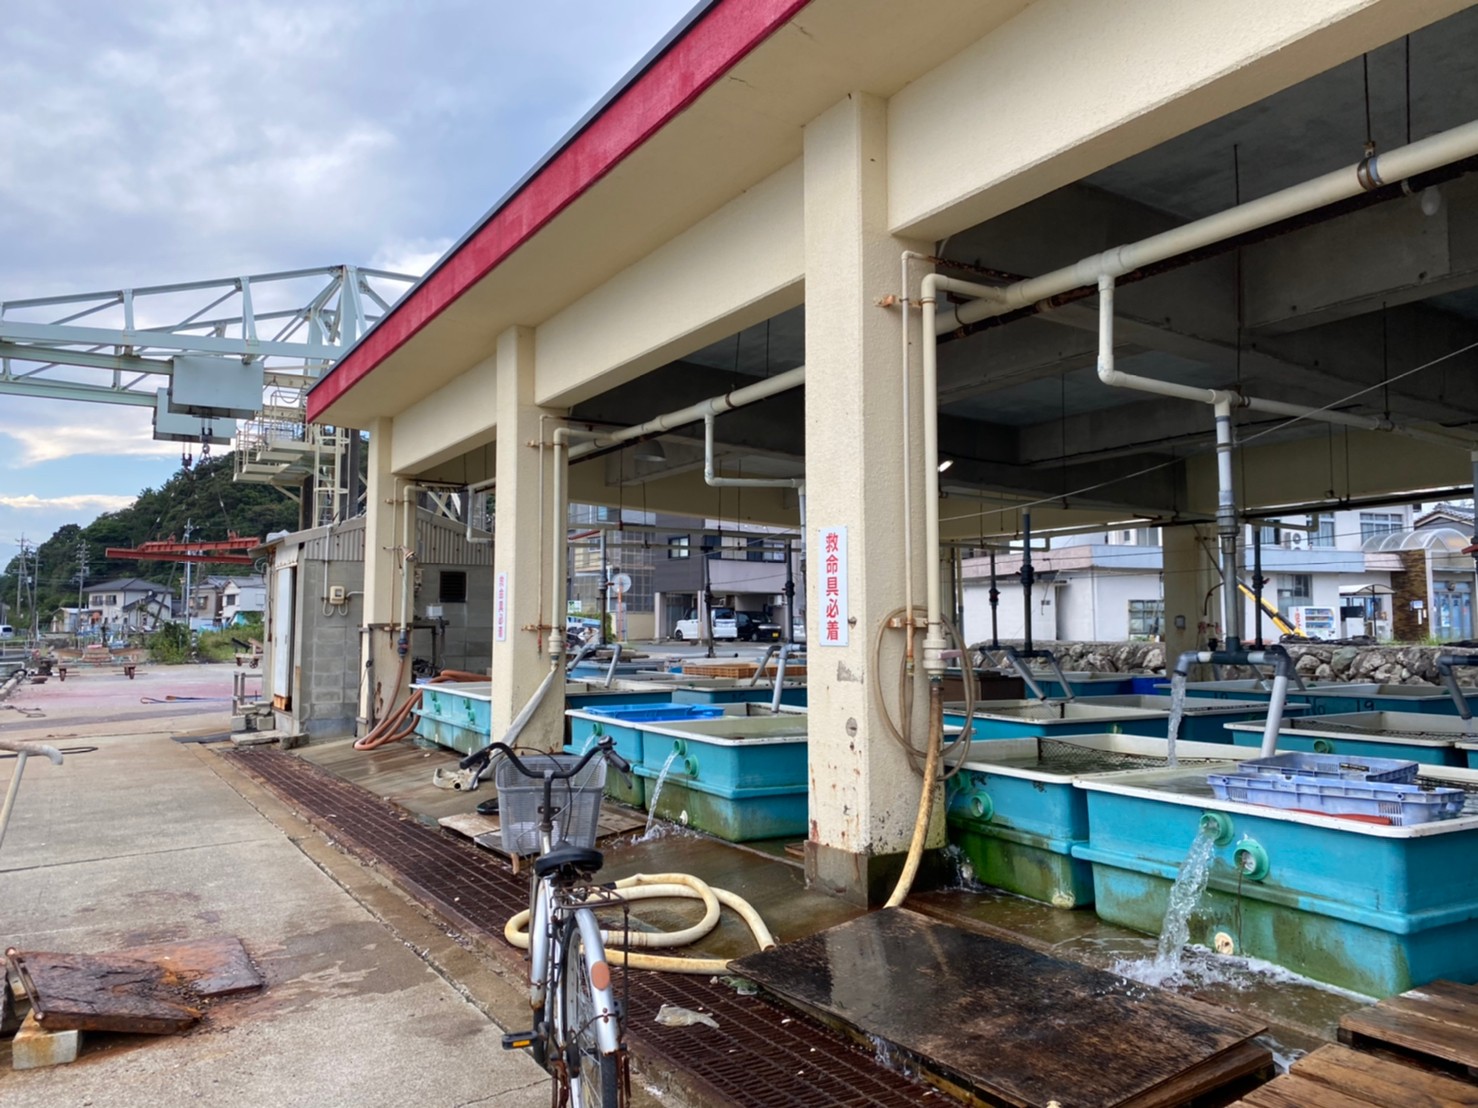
(1324, 536)
(1146, 618)
(678, 546)
(452, 588)
(1379, 523)
(1269, 535)
(1294, 590)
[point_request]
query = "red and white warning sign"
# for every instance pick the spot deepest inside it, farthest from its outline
(831, 559)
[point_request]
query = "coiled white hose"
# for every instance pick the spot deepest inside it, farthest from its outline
(663, 886)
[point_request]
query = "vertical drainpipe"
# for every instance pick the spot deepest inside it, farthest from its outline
(1028, 575)
(1226, 526)
(1257, 583)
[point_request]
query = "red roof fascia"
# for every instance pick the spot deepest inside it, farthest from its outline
(718, 42)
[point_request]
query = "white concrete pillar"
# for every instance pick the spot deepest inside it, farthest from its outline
(1189, 575)
(522, 577)
(380, 692)
(864, 797)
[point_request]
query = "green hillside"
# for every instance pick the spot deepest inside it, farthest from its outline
(205, 498)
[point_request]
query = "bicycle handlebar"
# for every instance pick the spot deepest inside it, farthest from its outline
(606, 747)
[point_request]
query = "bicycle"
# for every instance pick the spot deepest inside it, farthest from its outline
(579, 1027)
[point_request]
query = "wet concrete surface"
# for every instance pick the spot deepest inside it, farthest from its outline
(143, 840)
(1300, 1014)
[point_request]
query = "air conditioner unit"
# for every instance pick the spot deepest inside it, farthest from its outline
(1296, 540)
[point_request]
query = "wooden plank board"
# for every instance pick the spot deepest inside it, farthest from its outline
(1021, 1027)
(1242, 1060)
(1383, 1082)
(1380, 1024)
(1292, 1091)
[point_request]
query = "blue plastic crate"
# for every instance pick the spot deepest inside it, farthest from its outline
(1396, 803)
(1342, 766)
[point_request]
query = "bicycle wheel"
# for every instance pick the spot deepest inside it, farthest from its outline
(594, 1077)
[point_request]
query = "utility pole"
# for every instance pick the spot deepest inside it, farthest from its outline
(186, 605)
(82, 569)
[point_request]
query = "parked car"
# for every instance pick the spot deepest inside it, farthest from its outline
(755, 627)
(770, 629)
(725, 625)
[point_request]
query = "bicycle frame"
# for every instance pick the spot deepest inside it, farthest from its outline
(545, 952)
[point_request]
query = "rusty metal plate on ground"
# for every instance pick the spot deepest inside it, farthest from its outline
(151, 990)
(1022, 1027)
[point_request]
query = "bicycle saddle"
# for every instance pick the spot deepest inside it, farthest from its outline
(580, 860)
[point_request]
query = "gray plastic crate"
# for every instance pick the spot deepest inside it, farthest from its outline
(576, 801)
(1395, 803)
(1343, 766)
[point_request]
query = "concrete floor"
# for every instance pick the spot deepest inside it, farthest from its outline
(145, 839)
(370, 998)
(1301, 1014)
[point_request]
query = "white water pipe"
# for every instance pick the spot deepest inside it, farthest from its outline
(1119, 379)
(935, 643)
(564, 454)
(1373, 172)
(478, 540)
(714, 405)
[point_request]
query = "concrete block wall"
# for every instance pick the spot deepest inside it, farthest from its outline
(328, 649)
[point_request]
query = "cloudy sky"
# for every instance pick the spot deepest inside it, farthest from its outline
(162, 141)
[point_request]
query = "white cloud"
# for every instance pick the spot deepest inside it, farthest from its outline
(413, 256)
(101, 501)
(113, 432)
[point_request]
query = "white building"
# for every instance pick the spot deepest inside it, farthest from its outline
(243, 597)
(1110, 587)
(110, 601)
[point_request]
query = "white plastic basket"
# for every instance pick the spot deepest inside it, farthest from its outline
(576, 801)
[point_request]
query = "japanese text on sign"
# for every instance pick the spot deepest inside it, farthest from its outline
(500, 608)
(831, 558)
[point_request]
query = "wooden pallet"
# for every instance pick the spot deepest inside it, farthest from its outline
(1434, 1026)
(738, 669)
(1416, 1050)
(1339, 1077)
(487, 833)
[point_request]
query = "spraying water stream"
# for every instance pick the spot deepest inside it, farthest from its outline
(1177, 711)
(657, 792)
(1185, 895)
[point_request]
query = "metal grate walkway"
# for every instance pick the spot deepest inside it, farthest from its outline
(761, 1055)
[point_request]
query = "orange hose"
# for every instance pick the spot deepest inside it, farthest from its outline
(389, 729)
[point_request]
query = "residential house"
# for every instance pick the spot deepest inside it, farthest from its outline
(241, 598)
(207, 600)
(109, 601)
(150, 613)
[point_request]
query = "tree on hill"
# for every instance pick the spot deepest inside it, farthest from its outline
(205, 499)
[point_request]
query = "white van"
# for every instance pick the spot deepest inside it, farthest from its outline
(6, 631)
(725, 626)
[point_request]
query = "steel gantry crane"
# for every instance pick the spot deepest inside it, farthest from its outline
(207, 354)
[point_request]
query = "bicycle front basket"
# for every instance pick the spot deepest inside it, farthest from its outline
(576, 801)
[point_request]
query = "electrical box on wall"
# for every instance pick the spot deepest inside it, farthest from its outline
(337, 594)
